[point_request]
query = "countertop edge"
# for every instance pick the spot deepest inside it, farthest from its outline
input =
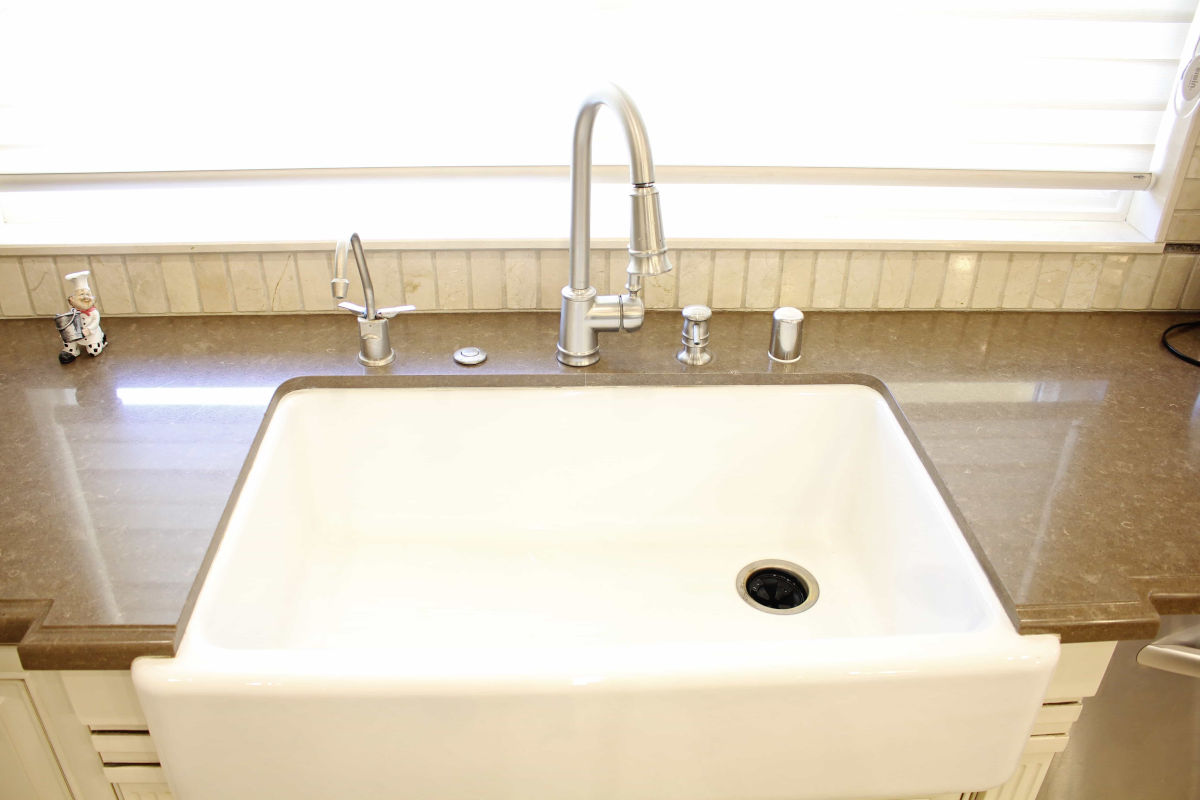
(94, 648)
(114, 647)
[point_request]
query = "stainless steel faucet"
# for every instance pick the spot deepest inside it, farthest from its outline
(584, 312)
(374, 345)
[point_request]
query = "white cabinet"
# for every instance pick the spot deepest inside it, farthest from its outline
(106, 747)
(28, 767)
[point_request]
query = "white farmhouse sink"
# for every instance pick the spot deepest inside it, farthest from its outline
(530, 593)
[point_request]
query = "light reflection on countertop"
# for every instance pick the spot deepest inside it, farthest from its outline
(255, 396)
(1000, 391)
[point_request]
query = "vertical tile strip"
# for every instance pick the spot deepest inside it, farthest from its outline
(796, 282)
(14, 296)
(695, 277)
(521, 278)
(929, 276)
(598, 265)
(863, 278)
(1052, 280)
(763, 273)
(179, 280)
(829, 279)
(111, 283)
(1081, 283)
(249, 285)
(660, 291)
(989, 282)
(453, 280)
(1112, 279)
(487, 279)
(146, 284)
(895, 279)
(1176, 269)
(420, 281)
(1191, 291)
(283, 283)
(552, 277)
(960, 280)
(212, 281)
(729, 278)
(618, 271)
(1022, 278)
(47, 289)
(315, 271)
(1139, 283)
(385, 275)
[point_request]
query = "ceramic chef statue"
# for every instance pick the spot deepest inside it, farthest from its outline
(80, 325)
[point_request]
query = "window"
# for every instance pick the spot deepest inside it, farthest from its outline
(453, 120)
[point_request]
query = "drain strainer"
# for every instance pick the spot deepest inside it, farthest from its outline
(777, 587)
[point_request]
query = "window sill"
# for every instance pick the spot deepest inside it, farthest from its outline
(535, 215)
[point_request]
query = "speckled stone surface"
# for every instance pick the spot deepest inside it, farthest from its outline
(1070, 442)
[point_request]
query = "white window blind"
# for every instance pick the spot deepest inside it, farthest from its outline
(134, 86)
(1059, 95)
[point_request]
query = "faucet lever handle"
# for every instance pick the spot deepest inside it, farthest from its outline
(391, 311)
(383, 313)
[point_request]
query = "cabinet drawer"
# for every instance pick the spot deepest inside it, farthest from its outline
(136, 774)
(143, 791)
(1056, 718)
(125, 748)
(104, 700)
(138, 783)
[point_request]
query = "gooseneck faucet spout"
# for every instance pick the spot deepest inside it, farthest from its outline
(340, 283)
(374, 344)
(584, 312)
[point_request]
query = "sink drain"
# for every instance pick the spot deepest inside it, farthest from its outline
(777, 587)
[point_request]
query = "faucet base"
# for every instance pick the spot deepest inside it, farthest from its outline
(377, 362)
(693, 356)
(578, 359)
(374, 344)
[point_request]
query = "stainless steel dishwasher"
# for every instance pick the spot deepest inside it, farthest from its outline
(1139, 737)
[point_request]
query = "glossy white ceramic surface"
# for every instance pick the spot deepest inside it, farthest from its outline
(529, 593)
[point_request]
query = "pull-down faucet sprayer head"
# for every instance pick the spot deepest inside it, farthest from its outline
(647, 246)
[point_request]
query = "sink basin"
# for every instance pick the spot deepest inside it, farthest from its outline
(513, 592)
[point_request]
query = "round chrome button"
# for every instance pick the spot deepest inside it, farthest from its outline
(469, 356)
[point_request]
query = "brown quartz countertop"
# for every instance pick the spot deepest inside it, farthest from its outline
(1070, 442)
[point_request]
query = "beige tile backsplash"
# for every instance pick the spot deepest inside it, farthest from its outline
(257, 283)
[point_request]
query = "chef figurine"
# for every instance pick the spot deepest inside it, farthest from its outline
(80, 325)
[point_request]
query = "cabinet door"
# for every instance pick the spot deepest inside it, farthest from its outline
(28, 769)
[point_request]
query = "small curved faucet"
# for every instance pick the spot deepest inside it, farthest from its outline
(584, 312)
(374, 345)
